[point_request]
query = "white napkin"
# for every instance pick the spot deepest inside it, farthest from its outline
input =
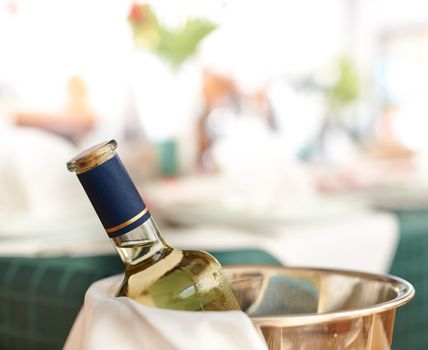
(106, 322)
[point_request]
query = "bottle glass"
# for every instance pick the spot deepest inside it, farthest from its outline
(156, 274)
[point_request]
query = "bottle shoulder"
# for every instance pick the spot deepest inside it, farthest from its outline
(191, 265)
(195, 257)
(200, 256)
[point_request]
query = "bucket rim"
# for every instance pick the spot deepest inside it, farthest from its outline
(404, 293)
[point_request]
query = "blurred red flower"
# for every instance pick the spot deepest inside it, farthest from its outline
(138, 13)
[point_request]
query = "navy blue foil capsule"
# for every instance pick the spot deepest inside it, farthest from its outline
(114, 197)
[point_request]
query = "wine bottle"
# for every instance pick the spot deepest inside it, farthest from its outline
(155, 274)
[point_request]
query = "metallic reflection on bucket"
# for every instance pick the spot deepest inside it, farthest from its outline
(320, 309)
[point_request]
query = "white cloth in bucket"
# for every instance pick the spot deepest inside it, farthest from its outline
(107, 322)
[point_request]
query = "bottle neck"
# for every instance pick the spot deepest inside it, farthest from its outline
(143, 244)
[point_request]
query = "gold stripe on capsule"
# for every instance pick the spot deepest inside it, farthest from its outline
(126, 223)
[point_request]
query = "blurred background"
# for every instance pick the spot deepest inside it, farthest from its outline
(297, 127)
(288, 100)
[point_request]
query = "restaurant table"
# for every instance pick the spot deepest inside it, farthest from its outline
(41, 297)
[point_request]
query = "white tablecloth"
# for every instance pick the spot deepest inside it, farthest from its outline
(364, 241)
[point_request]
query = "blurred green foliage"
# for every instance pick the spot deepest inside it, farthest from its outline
(346, 87)
(174, 45)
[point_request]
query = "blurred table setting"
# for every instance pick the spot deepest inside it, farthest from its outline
(326, 232)
(271, 205)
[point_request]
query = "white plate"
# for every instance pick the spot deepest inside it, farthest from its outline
(208, 202)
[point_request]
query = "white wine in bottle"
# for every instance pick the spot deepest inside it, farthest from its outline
(155, 274)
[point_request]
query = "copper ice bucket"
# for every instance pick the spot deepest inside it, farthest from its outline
(320, 309)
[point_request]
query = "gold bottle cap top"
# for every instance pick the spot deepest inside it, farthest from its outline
(92, 157)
